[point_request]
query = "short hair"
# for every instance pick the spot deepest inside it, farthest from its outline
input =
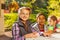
(39, 14)
(27, 8)
(54, 18)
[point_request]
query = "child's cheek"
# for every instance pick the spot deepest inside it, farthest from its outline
(51, 23)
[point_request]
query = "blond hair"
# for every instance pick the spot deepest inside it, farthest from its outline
(27, 8)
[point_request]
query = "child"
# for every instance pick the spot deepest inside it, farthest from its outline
(52, 26)
(22, 28)
(40, 26)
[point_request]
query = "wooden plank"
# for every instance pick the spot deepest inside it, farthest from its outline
(1, 18)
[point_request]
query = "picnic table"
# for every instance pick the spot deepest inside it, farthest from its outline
(55, 36)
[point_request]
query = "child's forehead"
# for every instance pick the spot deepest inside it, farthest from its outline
(42, 16)
(50, 19)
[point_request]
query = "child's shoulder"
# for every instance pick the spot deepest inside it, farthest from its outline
(34, 24)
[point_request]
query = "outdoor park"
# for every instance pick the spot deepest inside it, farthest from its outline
(48, 7)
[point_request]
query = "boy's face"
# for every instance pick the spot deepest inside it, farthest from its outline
(24, 15)
(41, 20)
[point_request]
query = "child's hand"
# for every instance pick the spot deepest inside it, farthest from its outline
(46, 34)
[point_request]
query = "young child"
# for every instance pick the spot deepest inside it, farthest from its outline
(52, 26)
(22, 28)
(40, 26)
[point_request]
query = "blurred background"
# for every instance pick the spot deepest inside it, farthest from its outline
(48, 7)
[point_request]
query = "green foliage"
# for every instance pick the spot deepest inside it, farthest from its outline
(32, 18)
(9, 19)
(54, 7)
(39, 5)
(34, 4)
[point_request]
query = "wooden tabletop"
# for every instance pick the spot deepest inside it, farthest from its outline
(46, 38)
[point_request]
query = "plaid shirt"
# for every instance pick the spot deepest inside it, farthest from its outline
(15, 31)
(36, 29)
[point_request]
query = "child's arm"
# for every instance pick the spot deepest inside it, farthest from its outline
(49, 32)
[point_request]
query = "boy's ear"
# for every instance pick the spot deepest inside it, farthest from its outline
(37, 20)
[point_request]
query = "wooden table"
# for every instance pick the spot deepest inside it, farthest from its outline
(45, 38)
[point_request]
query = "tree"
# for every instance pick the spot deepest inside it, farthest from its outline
(37, 6)
(54, 7)
(13, 6)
